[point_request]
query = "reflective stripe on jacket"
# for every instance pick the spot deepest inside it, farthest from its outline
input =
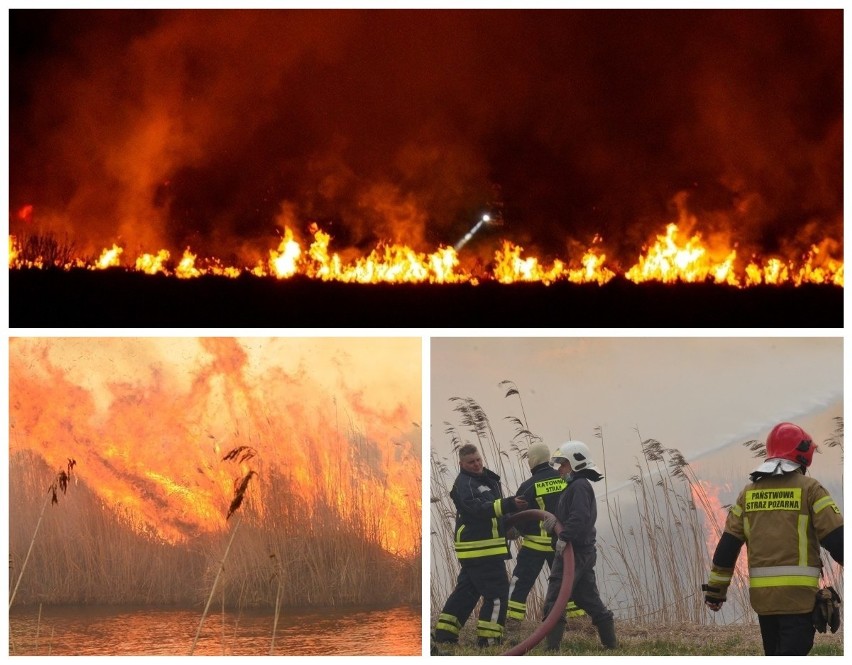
(542, 491)
(480, 509)
(781, 519)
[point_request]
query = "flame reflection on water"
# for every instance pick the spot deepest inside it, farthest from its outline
(112, 631)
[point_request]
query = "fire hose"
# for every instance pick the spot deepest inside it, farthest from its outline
(564, 590)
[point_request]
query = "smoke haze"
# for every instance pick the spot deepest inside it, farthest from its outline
(216, 129)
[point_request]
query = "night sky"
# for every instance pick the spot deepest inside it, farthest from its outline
(217, 128)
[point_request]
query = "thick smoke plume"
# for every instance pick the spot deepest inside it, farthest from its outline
(216, 129)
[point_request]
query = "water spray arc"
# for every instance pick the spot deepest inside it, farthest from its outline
(485, 219)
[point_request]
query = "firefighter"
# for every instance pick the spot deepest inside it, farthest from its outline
(784, 517)
(577, 512)
(541, 490)
(482, 550)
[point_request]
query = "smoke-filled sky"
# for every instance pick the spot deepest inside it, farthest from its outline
(216, 129)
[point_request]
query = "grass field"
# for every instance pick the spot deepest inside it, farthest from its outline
(641, 640)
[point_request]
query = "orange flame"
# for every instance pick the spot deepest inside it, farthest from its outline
(705, 495)
(14, 251)
(109, 258)
(674, 257)
(149, 421)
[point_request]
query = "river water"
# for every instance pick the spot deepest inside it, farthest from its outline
(112, 631)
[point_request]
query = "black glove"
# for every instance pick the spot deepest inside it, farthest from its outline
(826, 613)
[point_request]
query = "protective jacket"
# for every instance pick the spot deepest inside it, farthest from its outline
(577, 510)
(480, 511)
(542, 491)
(783, 519)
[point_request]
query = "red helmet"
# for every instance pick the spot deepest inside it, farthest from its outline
(790, 442)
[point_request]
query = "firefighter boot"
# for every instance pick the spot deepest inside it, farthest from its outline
(554, 638)
(606, 631)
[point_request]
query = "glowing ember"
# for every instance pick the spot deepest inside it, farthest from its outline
(26, 213)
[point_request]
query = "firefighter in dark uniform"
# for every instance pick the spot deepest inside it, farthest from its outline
(577, 512)
(482, 550)
(541, 491)
(783, 516)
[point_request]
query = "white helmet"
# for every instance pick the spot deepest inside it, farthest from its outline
(577, 455)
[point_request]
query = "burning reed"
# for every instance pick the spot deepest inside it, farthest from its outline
(331, 546)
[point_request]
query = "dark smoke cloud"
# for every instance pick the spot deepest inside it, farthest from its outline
(217, 128)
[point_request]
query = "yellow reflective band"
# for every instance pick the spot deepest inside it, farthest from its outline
(498, 507)
(549, 486)
(478, 548)
(540, 503)
(472, 555)
(571, 610)
(784, 580)
(803, 540)
(448, 623)
(517, 610)
(789, 498)
(474, 544)
(825, 502)
(489, 629)
(717, 578)
(539, 539)
(736, 510)
(538, 547)
(495, 528)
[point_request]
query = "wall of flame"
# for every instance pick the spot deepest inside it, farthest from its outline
(148, 422)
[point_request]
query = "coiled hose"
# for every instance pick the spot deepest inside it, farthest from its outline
(564, 591)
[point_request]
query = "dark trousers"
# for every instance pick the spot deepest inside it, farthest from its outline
(527, 567)
(487, 580)
(584, 592)
(787, 634)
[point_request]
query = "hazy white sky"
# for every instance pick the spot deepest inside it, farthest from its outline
(695, 394)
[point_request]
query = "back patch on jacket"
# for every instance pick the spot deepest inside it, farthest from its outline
(549, 486)
(781, 499)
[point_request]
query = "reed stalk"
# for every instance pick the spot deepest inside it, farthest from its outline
(29, 551)
(658, 556)
(277, 609)
(215, 583)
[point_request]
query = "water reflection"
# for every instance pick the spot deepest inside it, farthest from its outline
(102, 631)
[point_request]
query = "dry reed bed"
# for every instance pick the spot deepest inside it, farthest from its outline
(86, 554)
(656, 556)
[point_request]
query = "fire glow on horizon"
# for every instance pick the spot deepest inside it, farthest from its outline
(149, 420)
(369, 147)
(675, 256)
